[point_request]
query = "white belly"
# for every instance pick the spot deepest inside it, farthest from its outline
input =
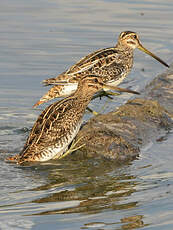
(115, 83)
(69, 89)
(56, 150)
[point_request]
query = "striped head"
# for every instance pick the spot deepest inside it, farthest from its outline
(90, 84)
(131, 40)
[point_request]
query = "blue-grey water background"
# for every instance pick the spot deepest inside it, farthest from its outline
(38, 40)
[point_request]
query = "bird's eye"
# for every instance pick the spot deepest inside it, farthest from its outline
(134, 36)
(96, 80)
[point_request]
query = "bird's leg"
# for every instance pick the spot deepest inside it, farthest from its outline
(72, 148)
(100, 95)
(92, 111)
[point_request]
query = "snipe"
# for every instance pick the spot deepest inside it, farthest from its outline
(111, 64)
(59, 123)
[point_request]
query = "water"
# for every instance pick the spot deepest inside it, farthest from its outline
(39, 39)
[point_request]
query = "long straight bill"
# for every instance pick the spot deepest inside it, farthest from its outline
(140, 47)
(108, 87)
(57, 83)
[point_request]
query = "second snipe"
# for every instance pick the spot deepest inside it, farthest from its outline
(111, 64)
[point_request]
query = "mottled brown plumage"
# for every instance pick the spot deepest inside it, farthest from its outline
(59, 123)
(111, 64)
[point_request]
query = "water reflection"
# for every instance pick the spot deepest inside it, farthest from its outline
(87, 186)
(21, 223)
(131, 222)
(39, 41)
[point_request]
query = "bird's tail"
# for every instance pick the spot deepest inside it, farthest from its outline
(62, 78)
(54, 92)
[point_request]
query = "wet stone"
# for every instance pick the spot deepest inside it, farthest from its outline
(120, 134)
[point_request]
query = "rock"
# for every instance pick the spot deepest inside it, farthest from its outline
(119, 135)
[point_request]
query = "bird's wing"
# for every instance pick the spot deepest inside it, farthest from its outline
(100, 56)
(43, 126)
(99, 59)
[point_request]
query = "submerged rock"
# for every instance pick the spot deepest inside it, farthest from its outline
(120, 134)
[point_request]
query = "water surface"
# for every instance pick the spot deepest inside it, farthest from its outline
(38, 40)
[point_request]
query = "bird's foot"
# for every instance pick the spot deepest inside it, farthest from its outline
(72, 148)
